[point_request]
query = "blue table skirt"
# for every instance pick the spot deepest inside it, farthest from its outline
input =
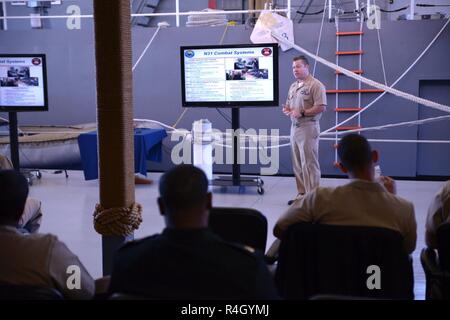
(147, 146)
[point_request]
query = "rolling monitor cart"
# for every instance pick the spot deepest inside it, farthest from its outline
(231, 76)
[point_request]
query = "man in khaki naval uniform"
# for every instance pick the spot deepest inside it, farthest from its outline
(363, 201)
(438, 214)
(305, 103)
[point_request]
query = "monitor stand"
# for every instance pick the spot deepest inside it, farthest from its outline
(14, 149)
(235, 179)
(14, 140)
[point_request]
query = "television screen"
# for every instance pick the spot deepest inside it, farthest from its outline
(229, 75)
(23, 82)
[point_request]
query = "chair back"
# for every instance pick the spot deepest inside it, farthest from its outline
(443, 242)
(128, 296)
(240, 225)
(21, 292)
(317, 259)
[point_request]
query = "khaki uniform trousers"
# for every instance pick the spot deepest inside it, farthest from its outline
(305, 156)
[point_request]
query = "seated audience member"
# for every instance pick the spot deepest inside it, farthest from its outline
(361, 202)
(30, 221)
(438, 213)
(5, 163)
(187, 261)
(34, 259)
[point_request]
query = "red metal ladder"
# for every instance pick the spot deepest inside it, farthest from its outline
(348, 110)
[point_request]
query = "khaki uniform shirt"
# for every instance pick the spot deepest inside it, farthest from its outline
(41, 260)
(305, 95)
(5, 163)
(358, 203)
(438, 213)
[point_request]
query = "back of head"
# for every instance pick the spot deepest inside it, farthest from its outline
(354, 152)
(183, 189)
(13, 195)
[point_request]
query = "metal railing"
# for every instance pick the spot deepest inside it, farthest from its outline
(177, 13)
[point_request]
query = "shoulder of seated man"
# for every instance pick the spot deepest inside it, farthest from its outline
(136, 242)
(242, 249)
(42, 237)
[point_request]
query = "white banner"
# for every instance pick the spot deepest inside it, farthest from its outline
(272, 22)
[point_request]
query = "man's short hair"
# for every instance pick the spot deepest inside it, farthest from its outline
(303, 58)
(183, 187)
(13, 195)
(354, 152)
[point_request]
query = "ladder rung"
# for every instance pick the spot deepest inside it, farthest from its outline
(359, 71)
(346, 53)
(347, 109)
(345, 128)
(350, 33)
(355, 91)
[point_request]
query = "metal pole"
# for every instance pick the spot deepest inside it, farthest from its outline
(235, 124)
(329, 10)
(177, 12)
(160, 14)
(5, 20)
(357, 9)
(289, 9)
(14, 140)
(412, 8)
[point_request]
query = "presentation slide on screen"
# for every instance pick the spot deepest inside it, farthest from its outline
(230, 74)
(21, 82)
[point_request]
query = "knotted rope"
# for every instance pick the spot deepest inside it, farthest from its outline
(117, 221)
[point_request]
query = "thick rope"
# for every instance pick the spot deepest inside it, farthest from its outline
(113, 39)
(146, 48)
(392, 125)
(395, 82)
(381, 52)
(370, 82)
(117, 221)
(226, 135)
(180, 117)
(325, 4)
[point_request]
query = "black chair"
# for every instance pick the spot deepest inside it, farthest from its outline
(127, 296)
(318, 259)
(443, 246)
(437, 280)
(328, 297)
(240, 225)
(437, 267)
(21, 292)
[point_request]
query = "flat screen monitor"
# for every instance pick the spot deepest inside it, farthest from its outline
(229, 75)
(23, 82)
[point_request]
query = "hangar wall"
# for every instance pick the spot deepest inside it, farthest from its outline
(157, 88)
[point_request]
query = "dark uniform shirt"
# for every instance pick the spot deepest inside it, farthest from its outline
(190, 264)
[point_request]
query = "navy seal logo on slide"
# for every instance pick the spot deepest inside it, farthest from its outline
(266, 52)
(36, 61)
(189, 53)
